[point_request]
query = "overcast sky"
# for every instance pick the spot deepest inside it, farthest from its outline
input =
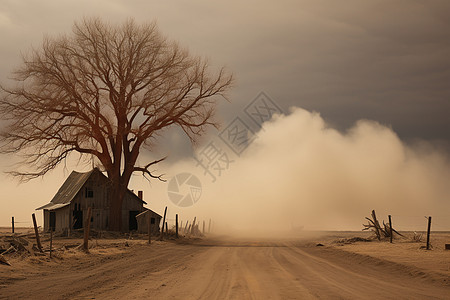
(387, 61)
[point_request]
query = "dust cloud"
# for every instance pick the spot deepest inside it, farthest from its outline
(302, 173)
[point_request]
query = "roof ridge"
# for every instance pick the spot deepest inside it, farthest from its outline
(73, 184)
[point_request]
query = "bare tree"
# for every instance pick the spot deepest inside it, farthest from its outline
(106, 91)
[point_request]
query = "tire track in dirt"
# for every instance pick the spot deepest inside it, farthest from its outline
(273, 282)
(105, 277)
(288, 272)
(326, 278)
(232, 271)
(213, 274)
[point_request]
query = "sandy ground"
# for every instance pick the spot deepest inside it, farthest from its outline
(225, 268)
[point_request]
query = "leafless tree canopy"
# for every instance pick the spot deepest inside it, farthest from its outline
(106, 91)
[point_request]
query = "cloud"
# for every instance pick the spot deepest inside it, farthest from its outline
(380, 60)
(302, 172)
(5, 21)
(377, 59)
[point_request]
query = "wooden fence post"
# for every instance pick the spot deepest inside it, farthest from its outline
(36, 232)
(193, 226)
(12, 224)
(87, 226)
(176, 225)
(163, 223)
(377, 225)
(209, 226)
(428, 233)
(149, 227)
(390, 227)
(186, 227)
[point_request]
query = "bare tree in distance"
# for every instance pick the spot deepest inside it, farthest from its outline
(106, 91)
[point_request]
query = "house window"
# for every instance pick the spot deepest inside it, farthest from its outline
(88, 193)
(152, 221)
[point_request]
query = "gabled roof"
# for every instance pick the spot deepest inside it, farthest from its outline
(146, 211)
(70, 188)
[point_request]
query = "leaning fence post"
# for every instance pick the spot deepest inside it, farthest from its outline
(36, 232)
(12, 224)
(186, 227)
(176, 225)
(193, 226)
(428, 233)
(87, 226)
(377, 225)
(390, 227)
(163, 223)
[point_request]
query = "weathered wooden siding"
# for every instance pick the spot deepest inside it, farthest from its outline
(142, 221)
(94, 193)
(46, 220)
(63, 218)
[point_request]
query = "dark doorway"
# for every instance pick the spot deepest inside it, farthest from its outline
(52, 221)
(77, 219)
(132, 221)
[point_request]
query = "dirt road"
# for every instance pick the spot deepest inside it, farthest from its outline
(219, 270)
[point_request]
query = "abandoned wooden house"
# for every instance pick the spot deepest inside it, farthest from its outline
(91, 189)
(142, 220)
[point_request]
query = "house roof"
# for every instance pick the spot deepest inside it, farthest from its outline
(70, 188)
(51, 206)
(146, 211)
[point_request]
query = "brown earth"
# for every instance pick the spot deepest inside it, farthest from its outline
(219, 268)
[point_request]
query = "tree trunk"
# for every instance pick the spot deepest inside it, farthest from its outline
(115, 210)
